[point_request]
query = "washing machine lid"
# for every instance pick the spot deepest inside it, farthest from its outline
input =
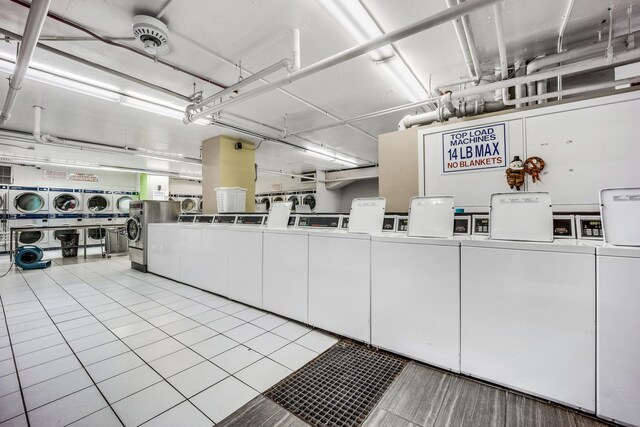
(523, 216)
(431, 216)
(367, 215)
(620, 211)
(618, 251)
(563, 245)
(279, 215)
(411, 240)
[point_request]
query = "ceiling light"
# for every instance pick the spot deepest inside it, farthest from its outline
(331, 158)
(355, 19)
(196, 178)
(168, 159)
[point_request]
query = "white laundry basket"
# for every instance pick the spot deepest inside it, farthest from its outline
(231, 199)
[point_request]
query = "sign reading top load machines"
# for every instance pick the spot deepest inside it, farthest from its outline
(475, 149)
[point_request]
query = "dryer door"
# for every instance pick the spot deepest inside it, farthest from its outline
(97, 203)
(31, 237)
(134, 229)
(29, 202)
(66, 203)
(123, 203)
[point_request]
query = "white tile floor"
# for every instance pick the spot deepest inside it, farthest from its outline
(95, 343)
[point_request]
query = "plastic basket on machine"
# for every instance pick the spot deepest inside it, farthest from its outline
(231, 199)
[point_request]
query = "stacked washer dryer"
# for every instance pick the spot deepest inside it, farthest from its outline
(98, 209)
(65, 210)
(29, 207)
(4, 212)
(618, 294)
(189, 203)
(121, 200)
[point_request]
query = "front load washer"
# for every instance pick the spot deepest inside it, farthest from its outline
(528, 304)
(38, 238)
(28, 200)
(618, 295)
(294, 199)
(95, 236)
(65, 220)
(309, 200)
(97, 202)
(66, 201)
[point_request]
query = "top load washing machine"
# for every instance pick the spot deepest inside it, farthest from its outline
(528, 304)
(618, 295)
(415, 286)
(28, 200)
(66, 201)
(340, 272)
(98, 202)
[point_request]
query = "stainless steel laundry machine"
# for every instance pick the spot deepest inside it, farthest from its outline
(28, 200)
(142, 213)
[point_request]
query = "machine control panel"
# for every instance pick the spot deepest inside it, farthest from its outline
(564, 227)
(292, 221)
(388, 224)
(403, 224)
(250, 219)
(462, 225)
(319, 221)
(205, 219)
(345, 222)
(224, 219)
(481, 225)
(590, 227)
(186, 218)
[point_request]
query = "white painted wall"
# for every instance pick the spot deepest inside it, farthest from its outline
(268, 183)
(359, 189)
(157, 182)
(327, 200)
(31, 176)
(181, 186)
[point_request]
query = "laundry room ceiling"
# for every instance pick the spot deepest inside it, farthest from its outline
(219, 39)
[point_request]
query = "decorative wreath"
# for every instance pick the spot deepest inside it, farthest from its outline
(533, 166)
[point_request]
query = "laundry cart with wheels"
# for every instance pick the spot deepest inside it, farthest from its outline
(115, 241)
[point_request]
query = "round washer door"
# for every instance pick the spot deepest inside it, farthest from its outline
(96, 233)
(267, 202)
(188, 205)
(30, 237)
(97, 203)
(309, 200)
(123, 204)
(28, 202)
(278, 199)
(133, 228)
(294, 202)
(66, 202)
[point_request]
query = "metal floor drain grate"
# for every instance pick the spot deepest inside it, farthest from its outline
(340, 387)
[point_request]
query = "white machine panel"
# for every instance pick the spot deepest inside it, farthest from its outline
(528, 318)
(415, 298)
(191, 260)
(163, 256)
(285, 285)
(367, 215)
(577, 164)
(620, 211)
(431, 216)
(339, 283)
(215, 240)
(618, 373)
(589, 227)
(244, 265)
(279, 215)
(521, 216)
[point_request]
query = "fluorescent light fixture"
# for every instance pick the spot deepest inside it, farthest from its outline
(197, 178)
(97, 90)
(355, 19)
(168, 159)
(341, 160)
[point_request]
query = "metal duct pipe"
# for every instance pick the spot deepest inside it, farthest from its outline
(577, 90)
(563, 27)
(470, 108)
(33, 27)
(521, 90)
(463, 42)
(473, 50)
(290, 64)
(354, 52)
(502, 48)
(541, 89)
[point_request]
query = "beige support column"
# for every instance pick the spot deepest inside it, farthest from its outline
(398, 168)
(223, 165)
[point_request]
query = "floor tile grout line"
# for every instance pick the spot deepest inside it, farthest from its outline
(220, 333)
(15, 366)
(131, 349)
(76, 356)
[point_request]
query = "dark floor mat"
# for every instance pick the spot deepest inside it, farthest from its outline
(340, 387)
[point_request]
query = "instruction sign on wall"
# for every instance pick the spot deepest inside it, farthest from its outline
(472, 149)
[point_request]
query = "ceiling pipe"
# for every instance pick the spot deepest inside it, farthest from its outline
(32, 30)
(563, 27)
(502, 48)
(563, 70)
(354, 52)
(466, 109)
(291, 65)
(465, 45)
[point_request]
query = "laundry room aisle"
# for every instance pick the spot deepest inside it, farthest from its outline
(95, 343)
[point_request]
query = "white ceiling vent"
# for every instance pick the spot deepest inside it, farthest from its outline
(153, 34)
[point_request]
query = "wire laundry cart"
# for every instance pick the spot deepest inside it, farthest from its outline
(115, 241)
